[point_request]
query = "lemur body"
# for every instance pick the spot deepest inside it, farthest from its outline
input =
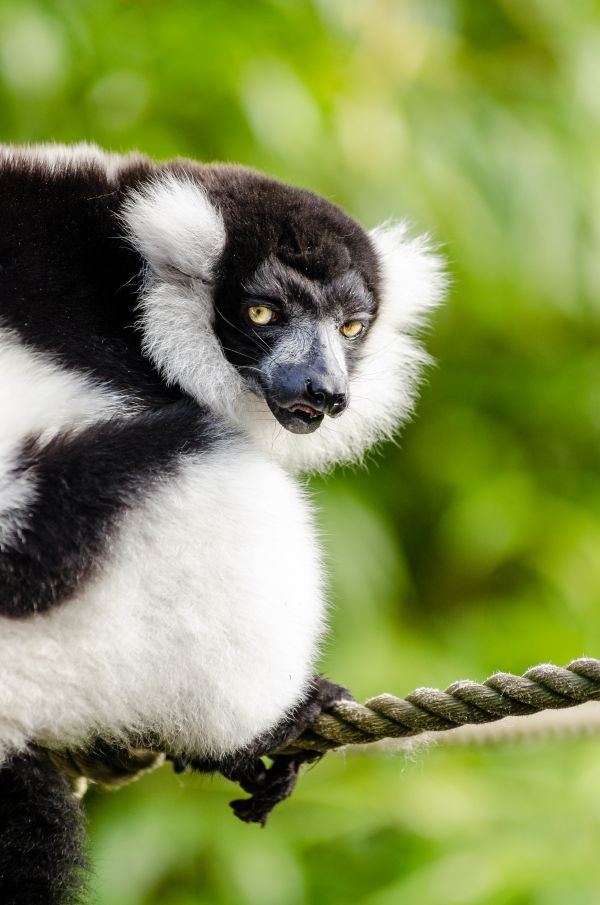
(173, 340)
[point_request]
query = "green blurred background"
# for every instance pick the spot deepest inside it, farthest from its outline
(474, 544)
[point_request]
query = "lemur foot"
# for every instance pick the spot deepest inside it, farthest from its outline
(270, 785)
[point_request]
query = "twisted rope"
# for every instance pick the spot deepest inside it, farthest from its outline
(544, 687)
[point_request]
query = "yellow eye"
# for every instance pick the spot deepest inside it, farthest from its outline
(352, 329)
(260, 314)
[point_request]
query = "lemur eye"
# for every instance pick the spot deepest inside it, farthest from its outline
(351, 329)
(261, 315)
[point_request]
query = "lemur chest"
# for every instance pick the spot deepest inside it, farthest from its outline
(202, 623)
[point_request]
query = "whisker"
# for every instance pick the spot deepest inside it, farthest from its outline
(237, 352)
(239, 330)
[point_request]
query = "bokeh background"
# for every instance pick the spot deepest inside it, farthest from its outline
(474, 544)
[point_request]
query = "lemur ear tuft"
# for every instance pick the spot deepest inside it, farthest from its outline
(413, 275)
(174, 226)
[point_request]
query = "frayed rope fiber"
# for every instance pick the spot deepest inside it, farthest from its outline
(543, 687)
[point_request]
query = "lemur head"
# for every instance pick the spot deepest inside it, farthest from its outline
(297, 289)
(274, 308)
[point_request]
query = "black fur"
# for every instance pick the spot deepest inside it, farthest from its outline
(304, 230)
(42, 857)
(329, 260)
(68, 282)
(82, 484)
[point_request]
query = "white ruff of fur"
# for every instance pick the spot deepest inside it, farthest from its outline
(175, 227)
(181, 235)
(206, 655)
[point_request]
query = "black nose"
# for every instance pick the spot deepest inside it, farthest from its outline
(324, 400)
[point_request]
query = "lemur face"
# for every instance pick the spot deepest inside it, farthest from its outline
(296, 297)
(297, 340)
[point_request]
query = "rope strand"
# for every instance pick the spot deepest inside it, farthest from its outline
(543, 687)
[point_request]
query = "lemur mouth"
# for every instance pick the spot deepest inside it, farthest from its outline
(298, 418)
(305, 409)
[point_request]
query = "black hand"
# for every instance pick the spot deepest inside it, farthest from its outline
(270, 785)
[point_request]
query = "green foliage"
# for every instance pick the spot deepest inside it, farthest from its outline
(473, 545)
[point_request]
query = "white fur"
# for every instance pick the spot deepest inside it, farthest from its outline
(201, 627)
(59, 158)
(178, 335)
(182, 235)
(38, 399)
(175, 227)
(17, 491)
(177, 322)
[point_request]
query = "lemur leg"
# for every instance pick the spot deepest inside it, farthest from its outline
(42, 857)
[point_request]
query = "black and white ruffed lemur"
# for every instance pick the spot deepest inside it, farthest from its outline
(177, 341)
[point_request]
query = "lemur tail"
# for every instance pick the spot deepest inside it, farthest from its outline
(42, 859)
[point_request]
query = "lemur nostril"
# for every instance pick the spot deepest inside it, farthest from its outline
(324, 400)
(338, 404)
(317, 396)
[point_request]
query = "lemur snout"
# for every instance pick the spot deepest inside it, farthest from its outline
(329, 401)
(304, 395)
(315, 390)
